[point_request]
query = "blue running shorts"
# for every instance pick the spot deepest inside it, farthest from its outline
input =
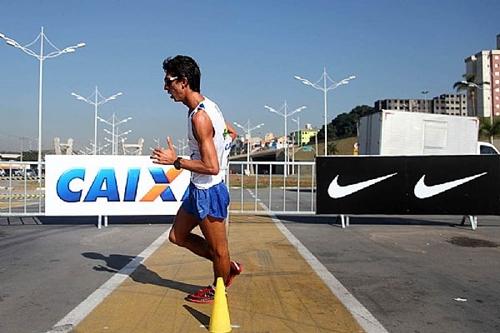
(213, 201)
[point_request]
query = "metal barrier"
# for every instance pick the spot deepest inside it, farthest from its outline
(254, 187)
(265, 187)
(20, 194)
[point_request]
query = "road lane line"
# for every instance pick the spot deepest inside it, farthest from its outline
(84, 308)
(364, 318)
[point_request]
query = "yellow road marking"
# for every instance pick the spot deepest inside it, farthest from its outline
(277, 292)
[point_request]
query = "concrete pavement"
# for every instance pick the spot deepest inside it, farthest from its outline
(277, 292)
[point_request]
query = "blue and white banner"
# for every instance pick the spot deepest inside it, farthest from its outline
(80, 185)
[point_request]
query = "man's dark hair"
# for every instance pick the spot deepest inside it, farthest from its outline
(184, 66)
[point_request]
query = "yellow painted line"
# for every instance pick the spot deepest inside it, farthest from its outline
(277, 292)
(20, 196)
(246, 207)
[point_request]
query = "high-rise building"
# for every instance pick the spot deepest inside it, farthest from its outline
(483, 69)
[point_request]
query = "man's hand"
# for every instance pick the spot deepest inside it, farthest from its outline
(164, 156)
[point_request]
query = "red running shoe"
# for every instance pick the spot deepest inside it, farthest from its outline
(235, 269)
(203, 296)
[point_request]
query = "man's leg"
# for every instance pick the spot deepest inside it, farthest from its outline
(214, 231)
(181, 234)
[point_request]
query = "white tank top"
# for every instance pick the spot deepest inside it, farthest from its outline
(222, 143)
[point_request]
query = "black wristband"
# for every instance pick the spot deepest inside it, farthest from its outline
(177, 163)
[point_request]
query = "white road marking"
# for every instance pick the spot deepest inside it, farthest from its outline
(364, 318)
(72, 319)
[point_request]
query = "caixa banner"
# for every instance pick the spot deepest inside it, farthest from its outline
(112, 185)
(461, 185)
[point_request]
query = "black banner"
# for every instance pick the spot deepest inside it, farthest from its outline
(420, 185)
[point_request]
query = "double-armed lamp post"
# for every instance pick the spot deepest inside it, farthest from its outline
(248, 132)
(325, 89)
(98, 100)
(114, 135)
(285, 114)
(41, 57)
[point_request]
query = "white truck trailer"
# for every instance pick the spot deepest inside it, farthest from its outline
(413, 133)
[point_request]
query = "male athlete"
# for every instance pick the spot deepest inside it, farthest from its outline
(209, 141)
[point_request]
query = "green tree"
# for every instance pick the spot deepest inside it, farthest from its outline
(30, 155)
(332, 148)
(345, 124)
(486, 128)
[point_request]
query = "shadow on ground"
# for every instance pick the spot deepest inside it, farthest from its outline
(200, 316)
(115, 262)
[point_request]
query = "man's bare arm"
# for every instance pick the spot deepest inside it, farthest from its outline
(204, 132)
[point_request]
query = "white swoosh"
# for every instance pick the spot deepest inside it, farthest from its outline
(423, 191)
(336, 191)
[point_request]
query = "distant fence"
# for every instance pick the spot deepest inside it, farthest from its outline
(21, 193)
(272, 187)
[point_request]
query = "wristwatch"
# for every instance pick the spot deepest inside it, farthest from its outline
(177, 163)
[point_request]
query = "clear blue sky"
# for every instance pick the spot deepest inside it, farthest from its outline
(248, 52)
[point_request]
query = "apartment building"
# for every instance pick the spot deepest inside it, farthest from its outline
(483, 69)
(452, 104)
(410, 105)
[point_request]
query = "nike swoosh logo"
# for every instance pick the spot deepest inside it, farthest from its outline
(423, 191)
(336, 191)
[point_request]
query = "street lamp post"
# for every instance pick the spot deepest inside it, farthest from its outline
(113, 123)
(157, 144)
(325, 77)
(115, 140)
(121, 137)
(491, 78)
(183, 144)
(99, 148)
(98, 100)
(285, 115)
(41, 57)
(297, 121)
(248, 132)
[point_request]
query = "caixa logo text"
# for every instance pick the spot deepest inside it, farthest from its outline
(105, 185)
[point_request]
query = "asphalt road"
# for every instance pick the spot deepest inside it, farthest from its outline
(47, 270)
(414, 274)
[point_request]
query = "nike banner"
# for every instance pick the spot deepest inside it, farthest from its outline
(420, 185)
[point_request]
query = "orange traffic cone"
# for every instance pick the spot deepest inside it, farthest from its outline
(219, 321)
